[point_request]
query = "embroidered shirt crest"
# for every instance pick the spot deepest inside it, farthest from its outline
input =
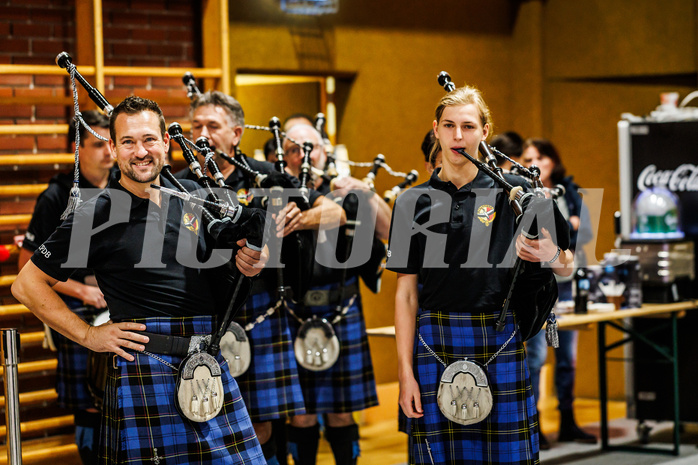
(244, 197)
(486, 214)
(191, 222)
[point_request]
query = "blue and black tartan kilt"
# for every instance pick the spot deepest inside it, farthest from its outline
(140, 423)
(71, 371)
(349, 385)
(509, 435)
(270, 386)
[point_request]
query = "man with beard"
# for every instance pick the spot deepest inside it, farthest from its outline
(145, 249)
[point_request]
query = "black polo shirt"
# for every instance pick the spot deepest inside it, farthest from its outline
(49, 207)
(137, 259)
(465, 265)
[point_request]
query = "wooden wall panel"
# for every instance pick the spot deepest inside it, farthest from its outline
(260, 103)
(525, 71)
(619, 38)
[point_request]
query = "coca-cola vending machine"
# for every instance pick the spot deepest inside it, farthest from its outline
(656, 155)
(660, 158)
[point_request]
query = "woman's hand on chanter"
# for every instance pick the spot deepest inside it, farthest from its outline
(411, 399)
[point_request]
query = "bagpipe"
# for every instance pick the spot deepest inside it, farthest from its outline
(532, 291)
(331, 172)
(225, 221)
(336, 167)
(64, 61)
(306, 180)
(371, 271)
(298, 248)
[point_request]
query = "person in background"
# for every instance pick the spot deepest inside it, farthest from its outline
(543, 154)
(432, 155)
(80, 292)
(509, 143)
(349, 385)
(270, 150)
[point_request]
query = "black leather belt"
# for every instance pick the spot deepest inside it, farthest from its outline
(166, 344)
(316, 298)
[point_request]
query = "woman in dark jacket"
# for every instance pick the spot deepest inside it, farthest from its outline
(543, 154)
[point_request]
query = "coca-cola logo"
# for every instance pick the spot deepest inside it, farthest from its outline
(683, 178)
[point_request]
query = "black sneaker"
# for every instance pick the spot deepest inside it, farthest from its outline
(543, 443)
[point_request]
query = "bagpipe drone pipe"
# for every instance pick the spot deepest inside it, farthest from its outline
(370, 270)
(219, 217)
(296, 250)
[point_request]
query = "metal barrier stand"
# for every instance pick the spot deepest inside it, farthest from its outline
(9, 345)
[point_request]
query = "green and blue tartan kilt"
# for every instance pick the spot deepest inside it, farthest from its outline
(349, 385)
(270, 386)
(71, 371)
(509, 435)
(141, 424)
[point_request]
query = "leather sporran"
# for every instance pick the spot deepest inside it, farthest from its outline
(235, 348)
(316, 347)
(199, 393)
(464, 395)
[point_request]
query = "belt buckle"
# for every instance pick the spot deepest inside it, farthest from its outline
(317, 297)
(198, 343)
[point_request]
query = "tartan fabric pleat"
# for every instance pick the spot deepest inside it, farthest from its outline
(140, 423)
(509, 435)
(349, 385)
(270, 386)
(71, 370)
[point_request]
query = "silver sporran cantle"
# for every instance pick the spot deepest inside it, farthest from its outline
(199, 393)
(235, 348)
(464, 395)
(316, 346)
